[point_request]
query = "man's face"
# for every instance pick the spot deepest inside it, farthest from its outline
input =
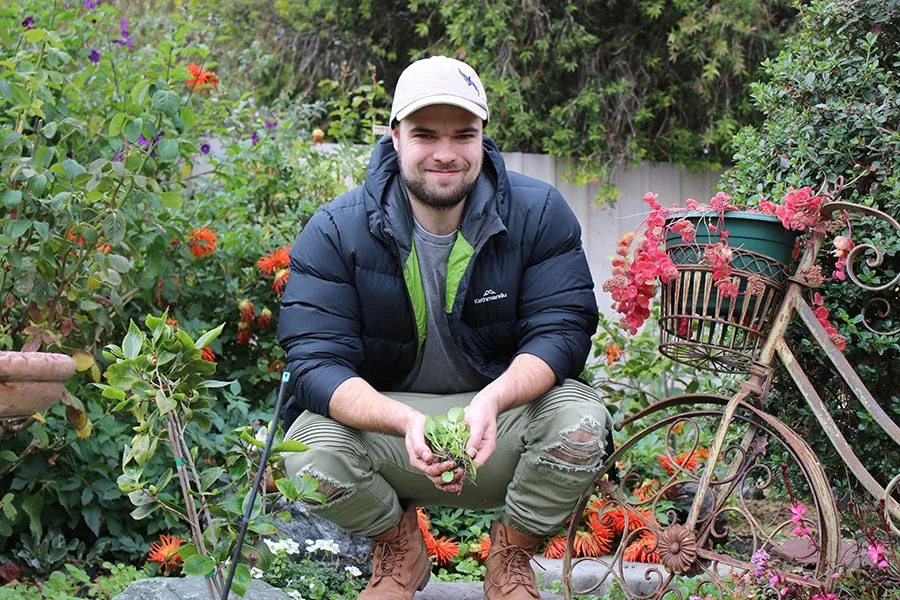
(440, 153)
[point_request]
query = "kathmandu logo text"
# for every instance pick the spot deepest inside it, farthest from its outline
(490, 295)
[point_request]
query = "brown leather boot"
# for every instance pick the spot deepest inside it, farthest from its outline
(401, 566)
(509, 575)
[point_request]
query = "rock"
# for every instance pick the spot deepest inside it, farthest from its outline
(191, 588)
(307, 526)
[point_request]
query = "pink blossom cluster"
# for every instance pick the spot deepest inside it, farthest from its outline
(823, 315)
(797, 512)
(799, 212)
(876, 553)
(842, 247)
(633, 284)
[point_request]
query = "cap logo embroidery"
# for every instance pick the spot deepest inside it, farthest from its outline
(469, 81)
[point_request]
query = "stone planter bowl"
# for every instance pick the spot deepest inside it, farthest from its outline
(31, 381)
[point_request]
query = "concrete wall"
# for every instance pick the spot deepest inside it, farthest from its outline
(602, 226)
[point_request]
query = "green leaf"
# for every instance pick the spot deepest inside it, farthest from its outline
(447, 476)
(167, 102)
(131, 346)
(50, 129)
(33, 507)
(173, 200)
(456, 415)
(164, 402)
(114, 228)
(116, 124)
(207, 338)
(119, 263)
(241, 582)
(213, 384)
(73, 168)
(167, 150)
(133, 129)
(113, 393)
(11, 198)
(209, 477)
(188, 117)
(142, 512)
(198, 564)
(19, 227)
(35, 35)
(8, 455)
(287, 488)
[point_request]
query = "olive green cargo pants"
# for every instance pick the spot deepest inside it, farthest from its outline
(548, 452)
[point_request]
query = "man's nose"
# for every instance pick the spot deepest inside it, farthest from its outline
(445, 151)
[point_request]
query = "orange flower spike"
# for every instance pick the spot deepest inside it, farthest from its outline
(604, 534)
(586, 544)
(443, 549)
(165, 552)
(482, 548)
(202, 242)
(642, 550)
(556, 547)
(279, 259)
(202, 78)
(424, 521)
(208, 355)
(646, 490)
(613, 353)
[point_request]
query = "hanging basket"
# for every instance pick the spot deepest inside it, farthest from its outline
(31, 381)
(701, 328)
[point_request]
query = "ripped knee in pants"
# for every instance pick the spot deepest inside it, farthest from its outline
(579, 449)
(334, 491)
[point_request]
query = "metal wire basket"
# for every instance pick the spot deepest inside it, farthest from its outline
(701, 328)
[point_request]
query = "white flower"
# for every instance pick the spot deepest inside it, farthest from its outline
(274, 545)
(295, 595)
(352, 571)
(256, 573)
(290, 546)
(262, 434)
(325, 545)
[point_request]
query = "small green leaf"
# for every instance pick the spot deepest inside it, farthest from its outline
(164, 402)
(173, 200)
(241, 582)
(116, 124)
(290, 446)
(167, 102)
(11, 198)
(131, 346)
(207, 338)
(119, 263)
(287, 488)
(167, 150)
(50, 129)
(447, 476)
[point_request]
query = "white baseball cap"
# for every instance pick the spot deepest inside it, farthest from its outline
(439, 80)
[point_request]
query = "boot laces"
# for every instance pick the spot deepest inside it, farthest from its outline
(516, 567)
(388, 556)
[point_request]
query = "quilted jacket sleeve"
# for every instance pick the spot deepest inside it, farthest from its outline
(319, 324)
(557, 307)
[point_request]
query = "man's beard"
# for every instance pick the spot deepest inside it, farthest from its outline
(436, 197)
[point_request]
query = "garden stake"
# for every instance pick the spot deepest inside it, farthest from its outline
(245, 520)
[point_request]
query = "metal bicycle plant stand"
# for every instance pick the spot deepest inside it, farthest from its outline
(744, 335)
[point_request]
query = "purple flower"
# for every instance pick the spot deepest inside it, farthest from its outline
(254, 138)
(91, 4)
(94, 56)
(28, 22)
(70, 154)
(204, 148)
(126, 36)
(143, 142)
(271, 123)
(119, 155)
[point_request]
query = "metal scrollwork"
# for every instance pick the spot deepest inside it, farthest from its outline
(881, 307)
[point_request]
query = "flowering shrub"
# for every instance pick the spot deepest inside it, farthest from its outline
(637, 271)
(316, 576)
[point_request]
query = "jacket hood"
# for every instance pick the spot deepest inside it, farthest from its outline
(387, 203)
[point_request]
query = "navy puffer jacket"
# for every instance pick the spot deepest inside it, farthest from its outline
(517, 282)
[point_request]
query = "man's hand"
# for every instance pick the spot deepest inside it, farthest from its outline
(481, 417)
(421, 457)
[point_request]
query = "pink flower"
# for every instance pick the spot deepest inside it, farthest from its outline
(797, 512)
(721, 202)
(876, 555)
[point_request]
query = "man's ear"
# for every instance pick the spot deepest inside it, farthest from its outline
(395, 137)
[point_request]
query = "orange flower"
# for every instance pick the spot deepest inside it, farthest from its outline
(202, 242)
(205, 79)
(424, 521)
(243, 333)
(482, 547)
(586, 544)
(556, 547)
(615, 518)
(248, 311)
(281, 278)
(75, 239)
(442, 549)
(687, 460)
(104, 248)
(646, 490)
(165, 552)
(208, 355)
(642, 550)
(603, 533)
(265, 318)
(275, 365)
(172, 321)
(279, 259)
(613, 353)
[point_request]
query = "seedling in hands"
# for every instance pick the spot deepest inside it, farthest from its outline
(447, 435)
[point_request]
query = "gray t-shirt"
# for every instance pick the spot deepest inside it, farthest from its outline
(441, 367)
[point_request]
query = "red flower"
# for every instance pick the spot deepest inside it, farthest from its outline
(165, 552)
(603, 533)
(204, 79)
(281, 278)
(642, 550)
(279, 259)
(202, 242)
(248, 311)
(208, 355)
(265, 318)
(243, 333)
(442, 549)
